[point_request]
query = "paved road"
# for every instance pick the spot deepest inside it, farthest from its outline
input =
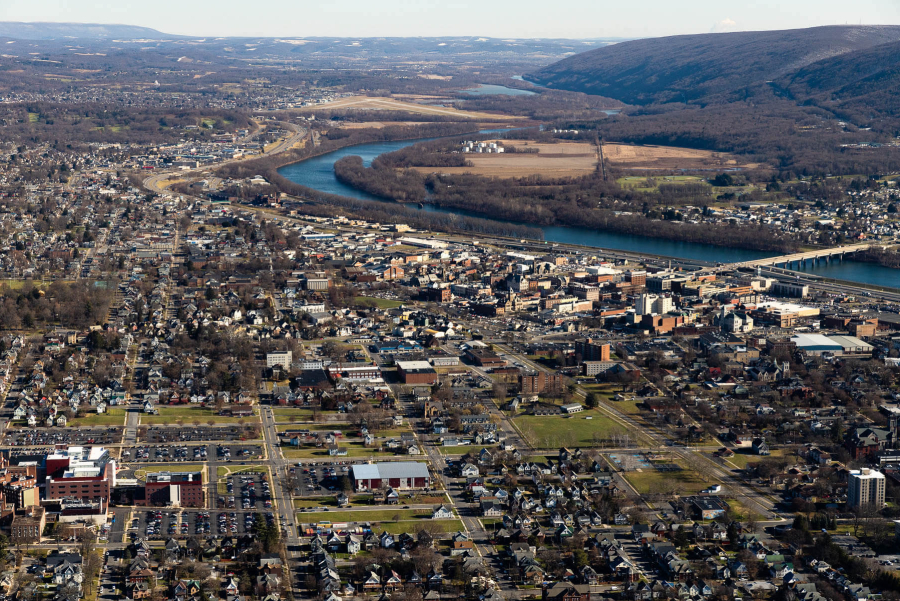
(158, 182)
(747, 496)
(283, 503)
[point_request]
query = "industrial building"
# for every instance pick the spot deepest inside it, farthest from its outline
(399, 475)
(416, 372)
(818, 344)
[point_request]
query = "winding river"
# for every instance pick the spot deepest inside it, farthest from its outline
(318, 173)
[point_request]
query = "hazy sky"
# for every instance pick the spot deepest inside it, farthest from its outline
(495, 18)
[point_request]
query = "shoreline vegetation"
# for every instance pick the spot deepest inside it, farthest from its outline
(590, 202)
(384, 212)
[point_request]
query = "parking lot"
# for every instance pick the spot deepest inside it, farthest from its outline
(174, 452)
(311, 479)
(163, 434)
(248, 492)
(65, 436)
(160, 524)
(169, 453)
(225, 452)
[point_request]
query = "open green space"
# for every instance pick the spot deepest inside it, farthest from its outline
(683, 482)
(381, 303)
(450, 526)
(377, 515)
(742, 457)
(462, 449)
(143, 470)
(221, 472)
(293, 411)
(551, 431)
(189, 414)
(112, 417)
(354, 449)
(33, 117)
(315, 502)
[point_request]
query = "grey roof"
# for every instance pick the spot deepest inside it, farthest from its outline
(390, 469)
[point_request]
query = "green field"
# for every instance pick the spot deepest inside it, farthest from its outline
(449, 526)
(188, 414)
(143, 470)
(744, 456)
(461, 449)
(291, 411)
(559, 431)
(407, 522)
(377, 515)
(112, 417)
(381, 303)
(354, 449)
(221, 472)
(314, 502)
(33, 117)
(651, 481)
(608, 391)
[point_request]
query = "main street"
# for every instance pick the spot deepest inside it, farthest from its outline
(284, 504)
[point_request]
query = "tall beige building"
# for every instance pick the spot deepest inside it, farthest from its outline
(865, 487)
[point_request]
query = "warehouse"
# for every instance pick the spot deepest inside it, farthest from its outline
(818, 344)
(416, 372)
(399, 475)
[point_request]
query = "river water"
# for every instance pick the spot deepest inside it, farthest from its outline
(318, 173)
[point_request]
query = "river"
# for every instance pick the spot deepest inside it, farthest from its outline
(318, 173)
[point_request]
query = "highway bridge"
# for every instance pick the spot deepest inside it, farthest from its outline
(798, 260)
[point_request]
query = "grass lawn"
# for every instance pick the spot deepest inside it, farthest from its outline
(462, 449)
(33, 117)
(406, 523)
(375, 515)
(112, 417)
(449, 526)
(181, 467)
(295, 411)
(741, 513)
(684, 482)
(552, 431)
(354, 449)
(314, 502)
(381, 303)
(744, 456)
(189, 414)
(221, 472)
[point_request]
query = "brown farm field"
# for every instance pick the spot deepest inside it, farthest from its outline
(629, 156)
(393, 104)
(574, 159)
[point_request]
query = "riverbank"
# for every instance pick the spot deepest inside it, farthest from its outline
(318, 174)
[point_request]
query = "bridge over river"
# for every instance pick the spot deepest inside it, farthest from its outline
(798, 260)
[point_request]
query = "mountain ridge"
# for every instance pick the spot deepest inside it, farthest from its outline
(46, 30)
(707, 67)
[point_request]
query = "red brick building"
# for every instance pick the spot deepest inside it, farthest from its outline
(591, 350)
(416, 372)
(539, 382)
(184, 489)
(399, 475)
(85, 473)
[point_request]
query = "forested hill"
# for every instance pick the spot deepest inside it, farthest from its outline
(704, 68)
(86, 31)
